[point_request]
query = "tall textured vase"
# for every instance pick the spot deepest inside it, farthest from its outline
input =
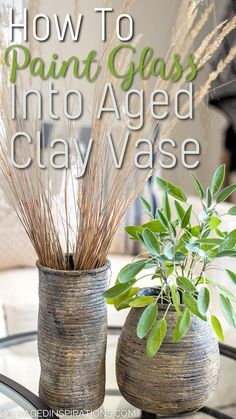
(72, 335)
(182, 376)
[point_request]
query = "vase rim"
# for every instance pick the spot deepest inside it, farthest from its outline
(41, 267)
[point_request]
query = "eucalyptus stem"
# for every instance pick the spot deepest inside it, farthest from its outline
(169, 305)
(201, 274)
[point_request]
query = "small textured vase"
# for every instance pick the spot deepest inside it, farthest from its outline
(181, 378)
(72, 335)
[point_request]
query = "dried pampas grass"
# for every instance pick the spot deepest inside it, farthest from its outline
(208, 48)
(205, 89)
(102, 196)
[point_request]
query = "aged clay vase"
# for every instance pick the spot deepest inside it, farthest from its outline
(181, 378)
(72, 335)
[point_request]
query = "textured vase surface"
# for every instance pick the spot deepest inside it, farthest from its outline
(181, 378)
(72, 335)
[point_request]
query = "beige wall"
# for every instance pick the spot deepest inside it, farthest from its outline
(208, 127)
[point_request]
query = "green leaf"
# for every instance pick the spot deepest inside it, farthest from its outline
(140, 236)
(166, 206)
(124, 304)
(232, 275)
(151, 242)
(169, 251)
(169, 269)
(179, 256)
(175, 298)
(182, 325)
(206, 232)
(208, 198)
(131, 270)
(193, 247)
(180, 210)
(226, 253)
(229, 242)
(198, 186)
(232, 210)
(146, 205)
(217, 328)
(202, 281)
(155, 226)
(211, 240)
(203, 300)
(120, 301)
(133, 230)
(186, 218)
(147, 319)
(162, 219)
(223, 290)
(173, 229)
(185, 284)
(172, 189)
(142, 301)
(228, 311)
(156, 338)
(218, 179)
(118, 289)
(208, 247)
(219, 233)
(195, 231)
(192, 305)
(225, 193)
(204, 216)
(214, 222)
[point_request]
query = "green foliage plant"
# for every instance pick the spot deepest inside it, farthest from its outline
(180, 249)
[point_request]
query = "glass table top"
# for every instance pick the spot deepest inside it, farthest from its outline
(19, 362)
(12, 405)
